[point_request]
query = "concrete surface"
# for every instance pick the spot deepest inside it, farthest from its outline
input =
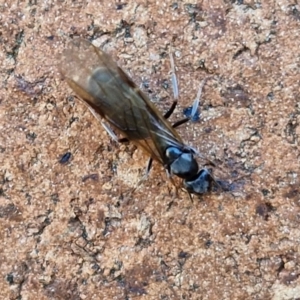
(69, 227)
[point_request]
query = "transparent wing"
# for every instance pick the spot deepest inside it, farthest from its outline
(98, 80)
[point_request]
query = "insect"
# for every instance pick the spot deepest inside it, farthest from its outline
(113, 96)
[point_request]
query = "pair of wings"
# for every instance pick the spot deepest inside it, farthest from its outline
(104, 86)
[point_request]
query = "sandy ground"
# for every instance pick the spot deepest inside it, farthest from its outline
(69, 227)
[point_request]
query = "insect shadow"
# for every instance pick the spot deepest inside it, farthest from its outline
(117, 102)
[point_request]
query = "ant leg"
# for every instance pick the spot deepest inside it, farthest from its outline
(123, 140)
(148, 168)
(180, 122)
(149, 165)
(112, 134)
(197, 100)
(195, 105)
(106, 127)
(175, 88)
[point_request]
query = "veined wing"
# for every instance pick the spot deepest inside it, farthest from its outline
(98, 80)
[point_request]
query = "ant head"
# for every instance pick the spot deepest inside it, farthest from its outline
(199, 184)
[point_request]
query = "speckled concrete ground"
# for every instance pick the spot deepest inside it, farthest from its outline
(70, 230)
